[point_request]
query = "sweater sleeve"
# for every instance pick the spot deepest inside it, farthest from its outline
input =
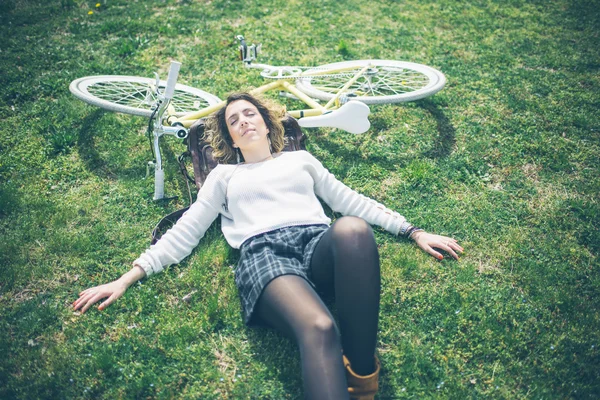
(179, 241)
(348, 202)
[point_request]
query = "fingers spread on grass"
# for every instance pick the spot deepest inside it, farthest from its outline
(433, 252)
(107, 302)
(81, 300)
(91, 301)
(448, 249)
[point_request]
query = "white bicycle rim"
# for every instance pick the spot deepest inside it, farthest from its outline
(388, 81)
(135, 95)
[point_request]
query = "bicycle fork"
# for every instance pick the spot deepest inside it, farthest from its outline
(159, 130)
(159, 173)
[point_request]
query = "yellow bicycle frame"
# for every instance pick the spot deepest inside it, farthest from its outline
(287, 85)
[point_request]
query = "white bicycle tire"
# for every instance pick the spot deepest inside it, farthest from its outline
(428, 81)
(135, 95)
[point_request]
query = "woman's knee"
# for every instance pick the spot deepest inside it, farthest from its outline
(320, 329)
(353, 229)
(355, 249)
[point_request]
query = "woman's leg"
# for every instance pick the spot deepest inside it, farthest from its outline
(289, 304)
(347, 258)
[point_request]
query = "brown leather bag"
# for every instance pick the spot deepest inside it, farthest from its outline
(200, 152)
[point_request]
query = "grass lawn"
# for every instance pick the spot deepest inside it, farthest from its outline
(505, 159)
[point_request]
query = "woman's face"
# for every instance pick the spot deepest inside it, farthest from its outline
(246, 125)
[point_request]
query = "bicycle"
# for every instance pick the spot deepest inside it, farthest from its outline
(347, 87)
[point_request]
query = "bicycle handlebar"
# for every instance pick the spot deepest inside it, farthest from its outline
(172, 79)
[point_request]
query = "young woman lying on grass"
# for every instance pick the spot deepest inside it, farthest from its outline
(270, 211)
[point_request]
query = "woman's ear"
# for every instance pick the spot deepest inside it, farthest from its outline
(235, 146)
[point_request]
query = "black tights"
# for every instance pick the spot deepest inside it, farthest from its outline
(345, 260)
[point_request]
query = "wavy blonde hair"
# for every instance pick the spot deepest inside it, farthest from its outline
(218, 133)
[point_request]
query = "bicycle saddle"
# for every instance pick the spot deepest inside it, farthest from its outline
(352, 117)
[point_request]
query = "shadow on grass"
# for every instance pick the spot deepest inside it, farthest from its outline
(86, 146)
(10, 199)
(110, 157)
(350, 154)
(583, 13)
(443, 144)
(171, 167)
(25, 220)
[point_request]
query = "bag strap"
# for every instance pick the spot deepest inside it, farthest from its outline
(195, 142)
(166, 223)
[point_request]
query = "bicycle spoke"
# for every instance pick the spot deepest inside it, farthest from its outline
(140, 95)
(126, 94)
(386, 82)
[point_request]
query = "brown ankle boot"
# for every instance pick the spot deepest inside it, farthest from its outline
(362, 387)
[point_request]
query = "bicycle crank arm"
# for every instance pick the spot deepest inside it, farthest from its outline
(352, 117)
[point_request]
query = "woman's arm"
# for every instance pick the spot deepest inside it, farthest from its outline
(179, 241)
(176, 244)
(345, 200)
(112, 290)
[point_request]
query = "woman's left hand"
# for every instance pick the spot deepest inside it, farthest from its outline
(429, 241)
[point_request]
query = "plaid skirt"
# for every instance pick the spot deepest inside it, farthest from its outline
(266, 256)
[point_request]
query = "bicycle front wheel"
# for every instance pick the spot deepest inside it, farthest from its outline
(135, 95)
(385, 81)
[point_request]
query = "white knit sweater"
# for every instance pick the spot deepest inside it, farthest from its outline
(260, 197)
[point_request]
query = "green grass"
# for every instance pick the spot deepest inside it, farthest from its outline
(505, 159)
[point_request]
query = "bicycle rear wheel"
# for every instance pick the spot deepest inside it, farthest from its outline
(387, 81)
(135, 95)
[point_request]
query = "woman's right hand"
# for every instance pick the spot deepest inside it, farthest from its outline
(112, 290)
(89, 297)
